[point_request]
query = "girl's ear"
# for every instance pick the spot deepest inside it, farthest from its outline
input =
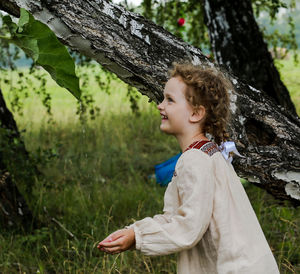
(198, 115)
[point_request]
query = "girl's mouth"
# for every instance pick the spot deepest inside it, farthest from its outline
(164, 117)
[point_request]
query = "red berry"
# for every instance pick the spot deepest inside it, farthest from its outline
(180, 22)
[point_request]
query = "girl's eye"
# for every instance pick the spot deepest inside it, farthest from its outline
(170, 99)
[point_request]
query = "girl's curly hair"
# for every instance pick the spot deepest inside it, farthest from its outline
(207, 87)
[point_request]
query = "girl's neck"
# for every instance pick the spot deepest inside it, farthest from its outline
(185, 141)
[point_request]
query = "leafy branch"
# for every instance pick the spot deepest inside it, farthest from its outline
(41, 44)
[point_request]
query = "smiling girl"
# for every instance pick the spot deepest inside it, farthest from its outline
(208, 219)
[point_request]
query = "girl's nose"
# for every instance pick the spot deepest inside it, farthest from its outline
(159, 106)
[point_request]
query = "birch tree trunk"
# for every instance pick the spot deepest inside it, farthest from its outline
(238, 44)
(141, 53)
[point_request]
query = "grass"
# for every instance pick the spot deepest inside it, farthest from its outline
(96, 180)
(289, 73)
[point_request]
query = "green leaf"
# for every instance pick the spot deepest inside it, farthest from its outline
(24, 19)
(41, 44)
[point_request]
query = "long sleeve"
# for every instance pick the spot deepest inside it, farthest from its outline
(165, 217)
(188, 209)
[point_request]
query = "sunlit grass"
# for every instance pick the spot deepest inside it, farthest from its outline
(289, 72)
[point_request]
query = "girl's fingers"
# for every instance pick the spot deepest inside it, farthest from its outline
(112, 237)
(113, 250)
(111, 244)
(118, 241)
(117, 234)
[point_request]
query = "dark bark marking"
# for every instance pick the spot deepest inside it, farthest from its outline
(259, 133)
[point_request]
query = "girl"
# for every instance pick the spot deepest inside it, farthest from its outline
(207, 217)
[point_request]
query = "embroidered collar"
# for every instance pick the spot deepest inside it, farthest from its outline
(208, 147)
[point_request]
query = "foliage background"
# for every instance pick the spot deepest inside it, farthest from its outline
(97, 158)
(97, 180)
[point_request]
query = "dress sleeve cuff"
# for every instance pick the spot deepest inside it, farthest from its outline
(144, 231)
(138, 237)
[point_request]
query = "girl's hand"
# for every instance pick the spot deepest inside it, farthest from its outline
(118, 241)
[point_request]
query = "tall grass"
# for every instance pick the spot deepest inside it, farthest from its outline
(96, 180)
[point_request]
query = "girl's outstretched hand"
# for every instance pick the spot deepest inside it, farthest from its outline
(118, 241)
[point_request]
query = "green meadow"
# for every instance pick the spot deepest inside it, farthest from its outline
(97, 179)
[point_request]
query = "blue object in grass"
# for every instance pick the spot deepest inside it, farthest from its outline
(164, 171)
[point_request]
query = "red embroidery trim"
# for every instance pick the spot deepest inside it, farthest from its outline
(197, 144)
(206, 146)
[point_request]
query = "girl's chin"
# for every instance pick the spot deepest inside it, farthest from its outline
(165, 129)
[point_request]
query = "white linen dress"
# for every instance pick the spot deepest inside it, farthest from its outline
(208, 220)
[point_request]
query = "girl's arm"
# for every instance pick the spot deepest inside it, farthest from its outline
(184, 229)
(195, 183)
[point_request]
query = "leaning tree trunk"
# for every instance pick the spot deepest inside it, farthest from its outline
(238, 44)
(141, 53)
(14, 211)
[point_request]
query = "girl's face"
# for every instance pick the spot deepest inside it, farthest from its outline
(175, 110)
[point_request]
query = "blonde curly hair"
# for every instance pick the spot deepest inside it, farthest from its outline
(207, 87)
